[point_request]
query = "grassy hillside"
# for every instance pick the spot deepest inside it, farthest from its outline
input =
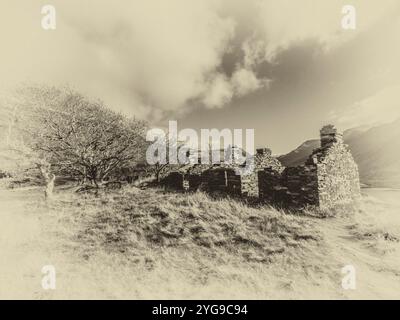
(170, 245)
(144, 244)
(145, 220)
(299, 155)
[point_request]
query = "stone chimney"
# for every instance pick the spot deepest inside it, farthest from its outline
(329, 136)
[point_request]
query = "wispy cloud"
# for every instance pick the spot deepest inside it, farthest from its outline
(383, 107)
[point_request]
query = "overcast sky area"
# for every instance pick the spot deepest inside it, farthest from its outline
(283, 68)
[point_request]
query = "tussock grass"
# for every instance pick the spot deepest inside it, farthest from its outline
(149, 244)
(177, 245)
(134, 220)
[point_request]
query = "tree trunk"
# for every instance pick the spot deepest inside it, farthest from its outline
(48, 179)
(48, 193)
(84, 178)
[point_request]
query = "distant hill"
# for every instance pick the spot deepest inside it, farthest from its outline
(375, 149)
(299, 155)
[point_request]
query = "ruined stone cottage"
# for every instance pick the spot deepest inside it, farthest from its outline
(188, 178)
(224, 179)
(328, 178)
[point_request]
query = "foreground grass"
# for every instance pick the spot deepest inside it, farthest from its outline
(169, 245)
(149, 244)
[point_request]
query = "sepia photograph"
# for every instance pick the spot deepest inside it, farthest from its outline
(199, 150)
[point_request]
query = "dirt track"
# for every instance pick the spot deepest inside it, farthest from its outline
(377, 275)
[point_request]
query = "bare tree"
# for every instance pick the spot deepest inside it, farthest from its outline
(73, 135)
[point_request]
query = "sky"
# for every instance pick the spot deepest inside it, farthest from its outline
(283, 68)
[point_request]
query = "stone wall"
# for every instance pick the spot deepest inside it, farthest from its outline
(338, 178)
(224, 178)
(329, 177)
(264, 159)
(182, 181)
(293, 187)
(176, 181)
(249, 185)
(187, 178)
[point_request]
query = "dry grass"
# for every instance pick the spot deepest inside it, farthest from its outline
(149, 244)
(192, 246)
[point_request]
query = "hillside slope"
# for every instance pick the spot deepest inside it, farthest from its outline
(299, 155)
